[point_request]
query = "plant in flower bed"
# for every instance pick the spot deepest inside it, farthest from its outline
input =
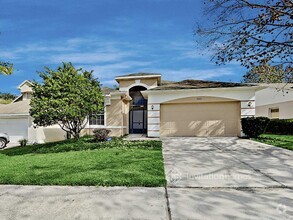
(101, 134)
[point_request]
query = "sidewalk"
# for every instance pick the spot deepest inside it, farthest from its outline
(82, 203)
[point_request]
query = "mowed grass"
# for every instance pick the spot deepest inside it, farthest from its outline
(284, 141)
(114, 163)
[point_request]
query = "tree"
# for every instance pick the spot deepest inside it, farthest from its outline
(6, 68)
(249, 31)
(66, 97)
(268, 74)
(6, 98)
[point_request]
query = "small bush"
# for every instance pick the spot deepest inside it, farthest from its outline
(254, 126)
(101, 134)
(23, 142)
(280, 126)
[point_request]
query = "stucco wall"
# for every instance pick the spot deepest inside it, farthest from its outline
(129, 82)
(274, 98)
(285, 110)
(117, 117)
(46, 134)
(114, 113)
(270, 96)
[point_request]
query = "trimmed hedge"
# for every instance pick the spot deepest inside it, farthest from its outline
(254, 126)
(280, 126)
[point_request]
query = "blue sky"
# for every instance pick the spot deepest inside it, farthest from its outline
(111, 37)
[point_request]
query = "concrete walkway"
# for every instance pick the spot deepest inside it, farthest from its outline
(81, 203)
(208, 178)
(228, 178)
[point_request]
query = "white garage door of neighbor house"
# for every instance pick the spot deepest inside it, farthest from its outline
(202, 119)
(15, 128)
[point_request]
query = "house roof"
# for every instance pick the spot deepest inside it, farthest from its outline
(281, 86)
(25, 82)
(198, 84)
(108, 90)
(138, 76)
(21, 107)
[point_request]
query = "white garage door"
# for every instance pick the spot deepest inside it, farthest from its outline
(202, 119)
(16, 128)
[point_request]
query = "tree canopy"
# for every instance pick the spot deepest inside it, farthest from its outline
(268, 74)
(6, 98)
(66, 97)
(253, 32)
(6, 68)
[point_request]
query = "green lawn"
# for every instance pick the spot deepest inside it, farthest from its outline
(284, 141)
(83, 162)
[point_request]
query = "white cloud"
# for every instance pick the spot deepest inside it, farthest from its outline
(109, 71)
(199, 74)
(93, 57)
(111, 58)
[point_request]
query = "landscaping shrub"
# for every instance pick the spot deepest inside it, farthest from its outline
(23, 142)
(254, 126)
(280, 126)
(101, 134)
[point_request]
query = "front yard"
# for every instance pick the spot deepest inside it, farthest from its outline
(284, 141)
(114, 163)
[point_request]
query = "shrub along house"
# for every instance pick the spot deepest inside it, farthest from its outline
(145, 104)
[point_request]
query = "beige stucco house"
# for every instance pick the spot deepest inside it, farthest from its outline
(275, 101)
(146, 104)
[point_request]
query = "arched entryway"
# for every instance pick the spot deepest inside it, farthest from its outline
(138, 111)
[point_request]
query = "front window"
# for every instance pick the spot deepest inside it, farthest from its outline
(97, 119)
(274, 113)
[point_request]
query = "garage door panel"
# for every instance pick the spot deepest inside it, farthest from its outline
(16, 128)
(204, 119)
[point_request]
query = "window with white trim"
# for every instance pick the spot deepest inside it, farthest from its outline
(274, 113)
(97, 119)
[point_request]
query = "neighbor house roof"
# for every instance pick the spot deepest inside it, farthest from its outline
(281, 86)
(25, 82)
(198, 84)
(21, 107)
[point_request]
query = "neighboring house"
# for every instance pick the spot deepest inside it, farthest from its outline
(17, 123)
(145, 104)
(275, 102)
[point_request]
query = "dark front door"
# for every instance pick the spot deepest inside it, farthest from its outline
(138, 117)
(138, 111)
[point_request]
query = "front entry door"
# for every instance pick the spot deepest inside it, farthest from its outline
(138, 121)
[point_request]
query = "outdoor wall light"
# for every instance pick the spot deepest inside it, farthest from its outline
(152, 107)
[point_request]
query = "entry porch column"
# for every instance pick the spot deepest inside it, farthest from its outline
(153, 120)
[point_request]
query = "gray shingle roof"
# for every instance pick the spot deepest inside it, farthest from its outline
(21, 107)
(198, 84)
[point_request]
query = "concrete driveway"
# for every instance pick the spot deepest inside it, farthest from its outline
(228, 178)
